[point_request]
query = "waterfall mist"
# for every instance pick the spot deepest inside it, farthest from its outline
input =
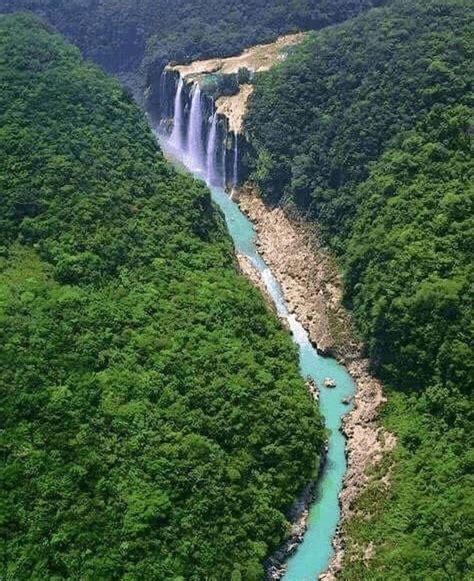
(212, 175)
(235, 176)
(199, 138)
(195, 131)
(176, 138)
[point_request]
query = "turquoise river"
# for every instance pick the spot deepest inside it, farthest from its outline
(314, 553)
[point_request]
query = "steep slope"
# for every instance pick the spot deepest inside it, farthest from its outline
(409, 276)
(154, 424)
(320, 118)
(366, 129)
(119, 35)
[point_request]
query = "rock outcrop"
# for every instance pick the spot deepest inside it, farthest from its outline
(313, 291)
(256, 59)
(307, 274)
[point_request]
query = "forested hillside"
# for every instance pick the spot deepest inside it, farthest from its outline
(319, 119)
(154, 425)
(118, 34)
(409, 275)
(366, 128)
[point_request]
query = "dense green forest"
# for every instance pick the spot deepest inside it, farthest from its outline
(317, 121)
(120, 34)
(366, 129)
(409, 276)
(154, 424)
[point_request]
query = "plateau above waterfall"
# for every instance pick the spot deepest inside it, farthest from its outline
(229, 80)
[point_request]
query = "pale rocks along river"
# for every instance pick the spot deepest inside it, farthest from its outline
(194, 147)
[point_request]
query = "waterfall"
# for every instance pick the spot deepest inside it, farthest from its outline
(212, 175)
(176, 138)
(224, 161)
(195, 145)
(235, 177)
(201, 145)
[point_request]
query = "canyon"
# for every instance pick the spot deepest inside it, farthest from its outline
(283, 256)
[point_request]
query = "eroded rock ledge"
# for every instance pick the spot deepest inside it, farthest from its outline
(256, 59)
(312, 289)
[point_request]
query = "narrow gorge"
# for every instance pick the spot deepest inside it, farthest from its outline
(202, 131)
(236, 290)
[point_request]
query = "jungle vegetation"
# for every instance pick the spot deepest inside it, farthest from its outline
(153, 421)
(367, 129)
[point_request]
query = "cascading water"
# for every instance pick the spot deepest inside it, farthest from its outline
(212, 177)
(314, 553)
(195, 132)
(224, 160)
(235, 175)
(176, 138)
(197, 146)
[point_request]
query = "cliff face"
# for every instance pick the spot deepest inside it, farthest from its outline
(236, 69)
(312, 288)
(202, 107)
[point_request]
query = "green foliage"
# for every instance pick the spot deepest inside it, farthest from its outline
(367, 129)
(218, 85)
(317, 120)
(409, 277)
(154, 424)
(421, 525)
(119, 33)
(408, 259)
(244, 76)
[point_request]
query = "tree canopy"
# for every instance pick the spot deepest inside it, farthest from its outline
(317, 120)
(154, 423)
(366, 129)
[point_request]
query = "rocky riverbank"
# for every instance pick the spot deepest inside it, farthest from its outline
(312, 289)
(276, 565)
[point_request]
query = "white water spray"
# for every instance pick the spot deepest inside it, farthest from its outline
(224, 162)
(212, 174)
(176, 138)
(235, 176)
(195, 141)
(202, 151)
